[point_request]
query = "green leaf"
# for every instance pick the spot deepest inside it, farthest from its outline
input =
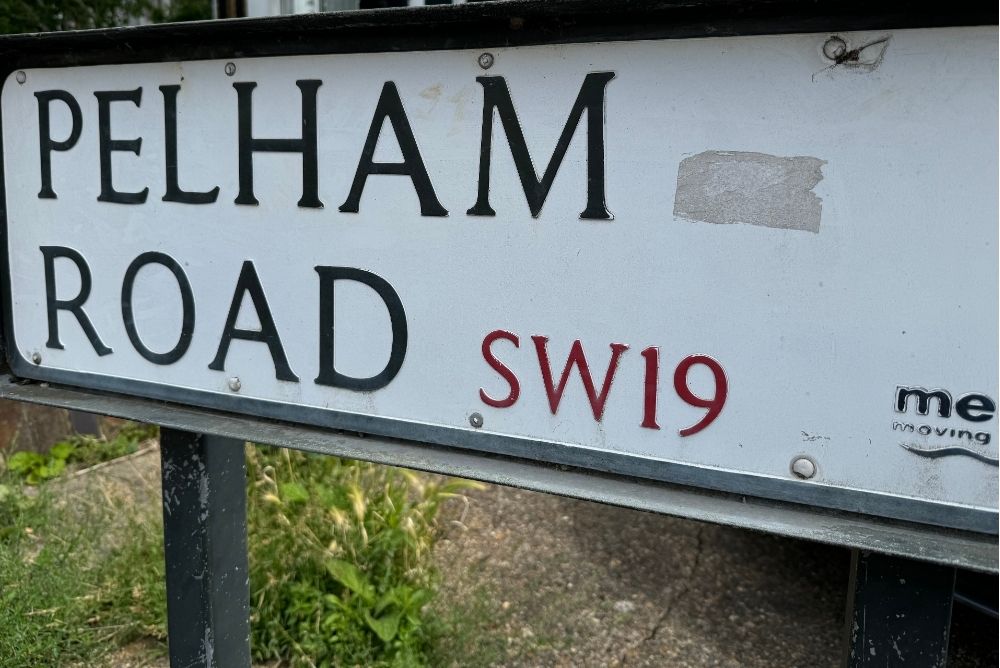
(22, 462)
(348, 575)
(293, 492)
(51, 469)
(386, 626)
(62, 450)
(387, 599)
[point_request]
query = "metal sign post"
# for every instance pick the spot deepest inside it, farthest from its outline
(205, 547)
(898, 612)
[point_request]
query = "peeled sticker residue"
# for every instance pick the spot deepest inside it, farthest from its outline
(728, 187)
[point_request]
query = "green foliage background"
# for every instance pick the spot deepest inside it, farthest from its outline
(341, 572)
(22, 16)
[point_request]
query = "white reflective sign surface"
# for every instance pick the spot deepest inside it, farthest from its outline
(796, 273)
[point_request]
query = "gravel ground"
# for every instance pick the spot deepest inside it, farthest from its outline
(541, 580)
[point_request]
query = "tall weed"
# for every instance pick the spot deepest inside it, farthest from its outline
(340, 563)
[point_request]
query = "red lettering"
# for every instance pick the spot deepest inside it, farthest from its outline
(577, 357)
(715, 404)
(652, 357)
(500, 368)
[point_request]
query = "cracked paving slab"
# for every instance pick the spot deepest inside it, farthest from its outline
(540, 580)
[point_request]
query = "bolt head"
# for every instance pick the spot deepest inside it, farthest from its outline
(803, 467)
(230, 69)
(476, 420)
(20, 77)
(36, 357)
(486, 60)
(834, 48)
(234, 384)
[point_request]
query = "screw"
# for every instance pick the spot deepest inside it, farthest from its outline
(486, 60)
(21, 77)
(476, 420)
(234, 384)
(230, 69)
(834, 48)
(803, 467)
(36, 357)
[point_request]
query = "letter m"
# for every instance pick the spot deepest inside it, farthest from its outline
(923, 397)
(496, 96)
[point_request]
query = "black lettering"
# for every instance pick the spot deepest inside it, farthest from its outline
(74, 305)
(249, 282)
(975, 407)
(187, 301)
(923, 400)
(328, 375)
(307, 145)
(107, 145)
(45, 142)
(391, 106)
(496, 95)
(174, 192)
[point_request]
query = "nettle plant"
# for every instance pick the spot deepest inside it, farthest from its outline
(340, 559)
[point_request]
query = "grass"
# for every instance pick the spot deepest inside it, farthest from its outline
(340, 561)
(67, 594)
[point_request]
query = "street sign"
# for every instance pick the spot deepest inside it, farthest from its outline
(761, 265)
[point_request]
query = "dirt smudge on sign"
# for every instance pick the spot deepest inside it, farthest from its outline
(727, 187)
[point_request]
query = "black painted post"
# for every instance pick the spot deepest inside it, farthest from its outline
(205, 547)
(898, 611)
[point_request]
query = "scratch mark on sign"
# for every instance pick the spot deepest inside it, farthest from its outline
(433, 95)
(728, 187)
(864, 58)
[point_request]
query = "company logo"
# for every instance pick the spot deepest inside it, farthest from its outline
(950, 440)
(972, 406)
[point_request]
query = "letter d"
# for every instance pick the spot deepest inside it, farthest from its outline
(328, 375)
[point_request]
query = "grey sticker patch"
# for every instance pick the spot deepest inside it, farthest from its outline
(754, 188)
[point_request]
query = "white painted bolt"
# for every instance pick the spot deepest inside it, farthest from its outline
(834, 48)
(234, 384)
(803, 467)
(36, 357)
(230, 69)
(486, 60)
(21, 77)
(476, 420)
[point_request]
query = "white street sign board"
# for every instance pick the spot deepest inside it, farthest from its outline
(754, 267)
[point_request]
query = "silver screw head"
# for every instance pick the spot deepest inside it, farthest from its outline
(20, 77)
(486, 60)
(834, 48)
(36, 357)
(476, 420)
(234, 384)
(803, 467)
(230, 69)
